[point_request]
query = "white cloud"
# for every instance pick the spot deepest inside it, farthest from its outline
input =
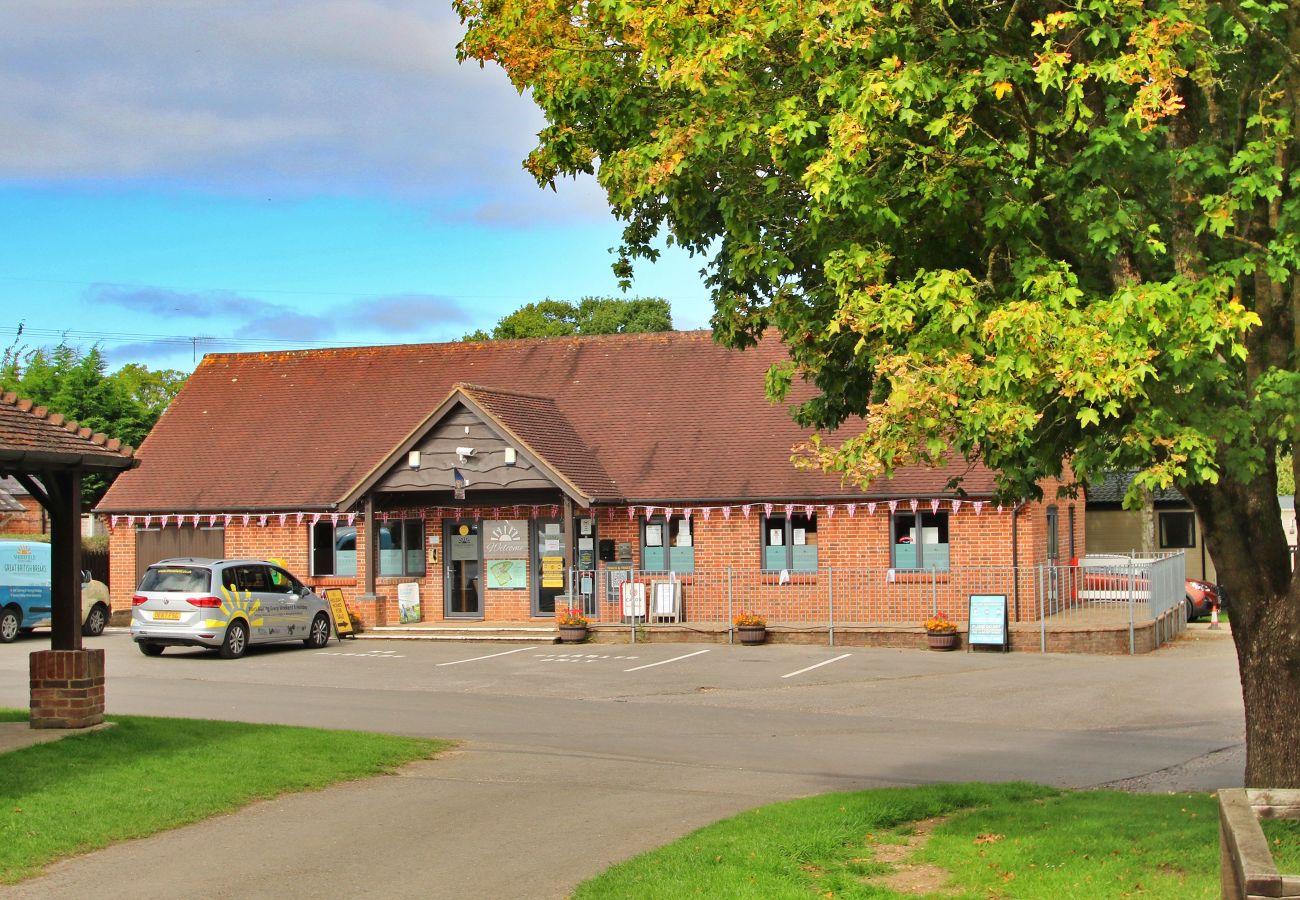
(350, 97)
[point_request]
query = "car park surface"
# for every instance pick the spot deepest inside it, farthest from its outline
(588, 749)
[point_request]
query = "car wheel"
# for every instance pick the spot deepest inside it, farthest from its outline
(9, 625)
(1191, 609)
(95, 622)
(319, 635)
(236, 642)
(149, 649)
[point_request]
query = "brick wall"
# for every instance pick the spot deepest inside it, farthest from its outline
(856, 548)
(67, 688)
(32, 520)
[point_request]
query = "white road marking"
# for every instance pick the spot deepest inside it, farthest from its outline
(489, 656)
(664, 662)
(824, 662)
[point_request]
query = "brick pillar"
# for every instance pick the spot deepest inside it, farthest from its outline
(67, 688)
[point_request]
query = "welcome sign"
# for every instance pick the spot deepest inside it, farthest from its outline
(505, 539)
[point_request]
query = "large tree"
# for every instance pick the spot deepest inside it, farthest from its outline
(590, 315)
(1060, 238)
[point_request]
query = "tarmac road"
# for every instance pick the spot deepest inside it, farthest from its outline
(573, 758)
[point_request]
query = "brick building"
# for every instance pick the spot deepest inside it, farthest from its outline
(20, 512)
(497, 477)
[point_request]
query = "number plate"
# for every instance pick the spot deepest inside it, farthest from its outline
(167, 616)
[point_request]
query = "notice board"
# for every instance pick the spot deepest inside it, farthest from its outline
(987, 621)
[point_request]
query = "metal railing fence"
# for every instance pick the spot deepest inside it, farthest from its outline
(1105, 591)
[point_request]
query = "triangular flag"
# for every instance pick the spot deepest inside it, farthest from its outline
(914, 504)
(745, 510)
(726, 513)
(893, 506)
(934, 506)
(979, 507)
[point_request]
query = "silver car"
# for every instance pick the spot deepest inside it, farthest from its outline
(227, 604)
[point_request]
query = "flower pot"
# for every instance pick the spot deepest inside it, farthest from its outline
(573, 634)
(752, 634)
(941, 640)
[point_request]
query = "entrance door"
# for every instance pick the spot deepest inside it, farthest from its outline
(462, 586)
(550, 575)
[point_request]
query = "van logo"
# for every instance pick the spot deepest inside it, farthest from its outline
(165, 601)
(23, 551)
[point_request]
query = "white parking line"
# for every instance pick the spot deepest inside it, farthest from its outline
(824, 662)
(489, 656)
(664, 662)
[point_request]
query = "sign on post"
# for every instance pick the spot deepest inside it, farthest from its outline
(986, 623)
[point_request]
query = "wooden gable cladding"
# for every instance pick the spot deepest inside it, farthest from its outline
(486, 470)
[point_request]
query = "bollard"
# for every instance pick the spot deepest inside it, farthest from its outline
(1214, 617)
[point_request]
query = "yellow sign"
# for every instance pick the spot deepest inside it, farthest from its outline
(552, 571)
(342, 621)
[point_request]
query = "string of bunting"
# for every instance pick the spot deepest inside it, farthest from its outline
(211, 520)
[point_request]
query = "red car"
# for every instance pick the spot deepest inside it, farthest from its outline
(1202, 597)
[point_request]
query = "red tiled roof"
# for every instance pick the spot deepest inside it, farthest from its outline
(667, 416)
(31, 435)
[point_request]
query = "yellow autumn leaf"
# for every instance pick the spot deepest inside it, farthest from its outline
(1001, 88)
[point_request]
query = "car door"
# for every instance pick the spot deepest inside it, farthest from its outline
(295, 614)
(260, 602)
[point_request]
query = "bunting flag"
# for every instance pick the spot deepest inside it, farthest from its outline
(431, 513)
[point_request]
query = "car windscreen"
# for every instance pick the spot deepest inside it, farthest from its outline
(176, 578)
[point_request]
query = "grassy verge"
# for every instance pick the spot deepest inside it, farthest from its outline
(146, 775)
(1284, 842)
(1016, 840)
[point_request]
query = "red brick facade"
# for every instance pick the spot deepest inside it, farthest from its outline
(855, 579)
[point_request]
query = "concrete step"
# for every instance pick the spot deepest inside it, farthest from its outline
(504, 635)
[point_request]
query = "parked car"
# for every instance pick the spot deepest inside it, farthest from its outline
(1202, 597)
(25, 592)
(1106, 577)
(226, 605)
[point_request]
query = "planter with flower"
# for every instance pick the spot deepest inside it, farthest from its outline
(941, 632)
(752, 628)
(573, 625)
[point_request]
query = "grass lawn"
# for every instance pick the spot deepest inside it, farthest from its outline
(1284, 843)
(977, 841)
(146, 775)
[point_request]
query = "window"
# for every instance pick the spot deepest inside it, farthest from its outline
(667, 544)
(1053, 535)
(333, 549)
(401, 547)
(925, 547)
(790, 542)
(1177, 530)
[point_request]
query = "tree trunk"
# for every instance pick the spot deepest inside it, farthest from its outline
(1270, 687)
(1243, 532)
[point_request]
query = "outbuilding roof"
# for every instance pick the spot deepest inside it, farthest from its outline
(32, 438)
(665, 416)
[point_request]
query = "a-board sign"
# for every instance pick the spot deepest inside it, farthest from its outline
(408, 602)
(987, 622)
(342, 621)
(633, 595)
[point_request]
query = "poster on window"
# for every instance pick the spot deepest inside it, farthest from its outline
(507, 574)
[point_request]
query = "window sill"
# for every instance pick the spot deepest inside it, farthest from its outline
(918, 576)
(801, 577)
(331, 580)
(398, 579)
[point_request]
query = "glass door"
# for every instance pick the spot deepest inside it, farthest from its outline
(462, 590)
(549, 577)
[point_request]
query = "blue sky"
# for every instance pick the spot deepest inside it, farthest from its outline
(260, 175)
